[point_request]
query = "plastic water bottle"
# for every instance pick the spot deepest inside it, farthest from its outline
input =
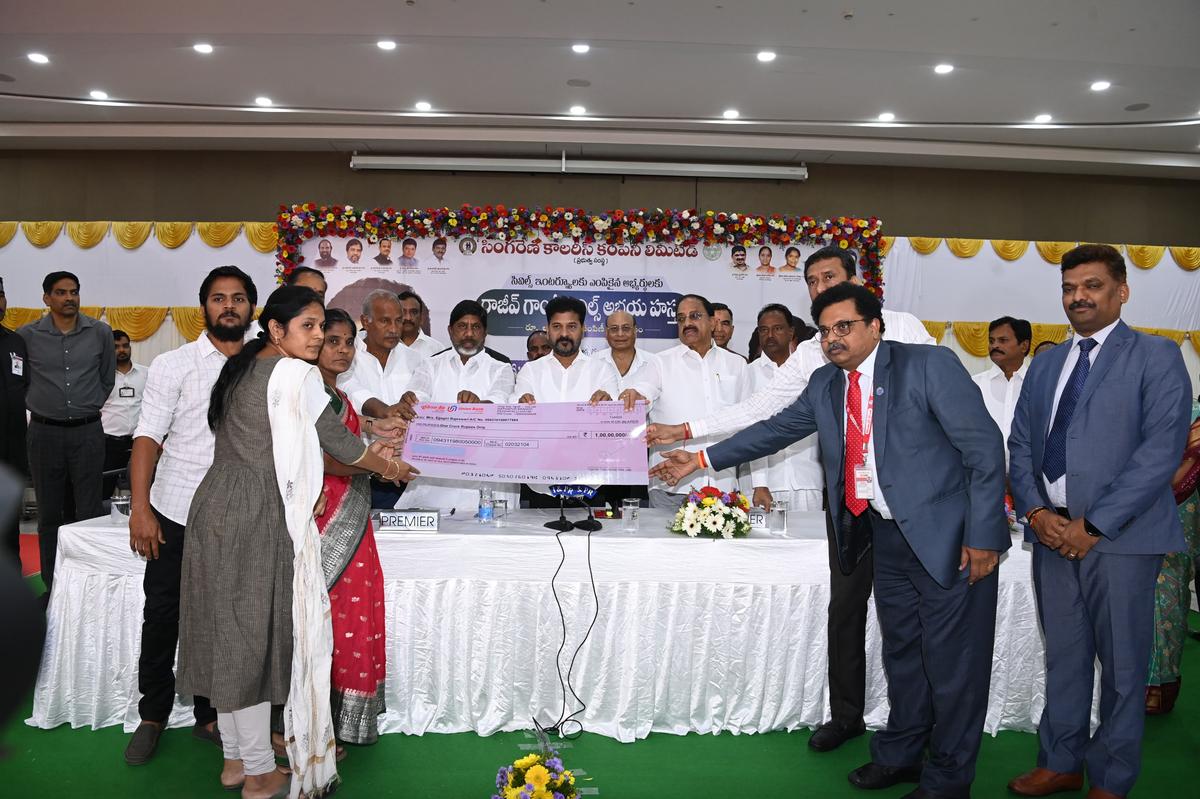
(486, 507)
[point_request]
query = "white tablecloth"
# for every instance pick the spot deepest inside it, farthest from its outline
(692, 635)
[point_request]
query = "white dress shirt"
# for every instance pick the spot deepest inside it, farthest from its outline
(1057, 491)
(175, 408)
(406, 370)
(793, 376)
(425, 345)
(682, 385)
(640, 358)
(866, 383)
(119, 416)
(1000, 395)
(796, 468)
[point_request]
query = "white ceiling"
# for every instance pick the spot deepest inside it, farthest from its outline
(660, 72)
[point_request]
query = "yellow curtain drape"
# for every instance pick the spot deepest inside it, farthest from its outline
(936, 329)
(965, 248)
(42, 234)
(7, 231)
(16, 317)
(132, 235)
(1175, 335)
(189, 321)
(94, 311)
(172, 234)
(924, 244)
(1053, 251)
(1186, 257)
(885, 244)
(1145, 256)
(263, 236)
(87, 235)
(972, 337)
(1009, 249)
(1043, 332)
(218, 234)
(139, 322)
(1195, 337)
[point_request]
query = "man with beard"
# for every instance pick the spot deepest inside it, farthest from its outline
(567, 374)
(385, 253)
(119, 416)
(72, 369)
(1008, 347)
(466, 372)
(695, 378)
(353, 250)
(172, 450)
(537, 345)
(325, 258)
(413, 314)
(14, 381)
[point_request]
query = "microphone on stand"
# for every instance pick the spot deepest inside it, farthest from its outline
(578, 493)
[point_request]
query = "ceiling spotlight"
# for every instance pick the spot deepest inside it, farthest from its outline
(944, 69)
(423, 106)
(386, 44)
(1042, 119)
(203, 48)
(766, 56)
(38, 58)
(96, 94)
(1100, 85)
(887, 116)
(265, 102)
(581, 48)
(730, 113)
(578, 110)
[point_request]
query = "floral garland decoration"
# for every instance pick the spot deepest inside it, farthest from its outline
(713, 513)
(683, 227)
(535, 776)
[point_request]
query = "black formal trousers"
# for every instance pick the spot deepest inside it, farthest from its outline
(847, 632)
(160, 630)
(937, 654)
(117, 450)
(63, 459)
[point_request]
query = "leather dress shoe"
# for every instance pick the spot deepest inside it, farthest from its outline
(873, 776)
(202, 733)
(143, 743)
(831, 735)
(1100, 793)
(1043, 782)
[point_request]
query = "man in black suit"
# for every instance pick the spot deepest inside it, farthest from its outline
(14, 380)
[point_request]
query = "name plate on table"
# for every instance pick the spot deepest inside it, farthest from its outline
(758, 519)
(405, 521)
(547, 442)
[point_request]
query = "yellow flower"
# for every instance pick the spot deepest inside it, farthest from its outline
(569, 777)
(708, 502)
(513, 793)
(526, 762)
(542, 793)
(537, 776)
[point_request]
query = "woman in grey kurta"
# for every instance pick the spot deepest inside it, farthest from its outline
(235, 642)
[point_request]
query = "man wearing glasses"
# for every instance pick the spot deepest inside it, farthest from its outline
(849, 584)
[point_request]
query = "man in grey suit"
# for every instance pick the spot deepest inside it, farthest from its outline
(1098, 432)
(915, 466)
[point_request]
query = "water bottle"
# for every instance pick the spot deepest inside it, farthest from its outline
(486, 507)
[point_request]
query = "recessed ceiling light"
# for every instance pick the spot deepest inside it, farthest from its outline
(1100, 85)
(730, 113)
(263, 101)
(578, 110)
(1042, 119)
(38, 58)
(581, 48)
(766, 56)
(944, 69)
(886, 116)
(423, 106)
(96, 94)
(203, 48)
(385, 44)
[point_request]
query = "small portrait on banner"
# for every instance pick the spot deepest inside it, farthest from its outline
(325, 259)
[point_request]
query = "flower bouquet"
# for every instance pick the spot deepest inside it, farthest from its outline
(535, 776)
(712, 513)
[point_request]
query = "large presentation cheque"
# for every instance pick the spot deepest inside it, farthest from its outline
(549, 442)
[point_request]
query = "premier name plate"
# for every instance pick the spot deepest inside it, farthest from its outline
(405, 521)
(757, 518)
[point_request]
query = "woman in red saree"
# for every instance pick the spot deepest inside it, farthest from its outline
(350, 561)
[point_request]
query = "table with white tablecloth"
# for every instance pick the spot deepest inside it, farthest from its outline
(692, 635)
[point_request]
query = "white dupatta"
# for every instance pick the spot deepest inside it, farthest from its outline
(295, 398)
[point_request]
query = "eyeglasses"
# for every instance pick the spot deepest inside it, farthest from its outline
(694, 316)
(840, 329)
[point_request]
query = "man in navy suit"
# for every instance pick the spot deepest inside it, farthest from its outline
(1098, 432)
(915, 466)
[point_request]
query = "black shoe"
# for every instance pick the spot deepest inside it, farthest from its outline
(921, 793)
(143, 743)
(831, 735)
(873, 776)
(202, 733)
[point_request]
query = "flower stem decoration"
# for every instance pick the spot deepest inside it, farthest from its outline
(536, 776)
(713, 513)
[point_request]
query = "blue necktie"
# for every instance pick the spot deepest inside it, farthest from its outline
(1054, 464)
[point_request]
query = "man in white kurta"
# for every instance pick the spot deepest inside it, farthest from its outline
(620, 331)
(467, 372)
(413, 314)
(1008, 347)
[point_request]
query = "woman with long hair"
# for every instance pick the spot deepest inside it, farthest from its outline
(255, 624)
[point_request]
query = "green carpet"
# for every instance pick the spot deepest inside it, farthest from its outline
(66, 762)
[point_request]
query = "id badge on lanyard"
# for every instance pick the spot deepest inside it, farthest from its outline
(864, 481)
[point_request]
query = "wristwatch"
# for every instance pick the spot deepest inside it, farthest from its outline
(1091, 529)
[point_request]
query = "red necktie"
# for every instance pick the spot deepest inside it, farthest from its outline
(854, 443)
